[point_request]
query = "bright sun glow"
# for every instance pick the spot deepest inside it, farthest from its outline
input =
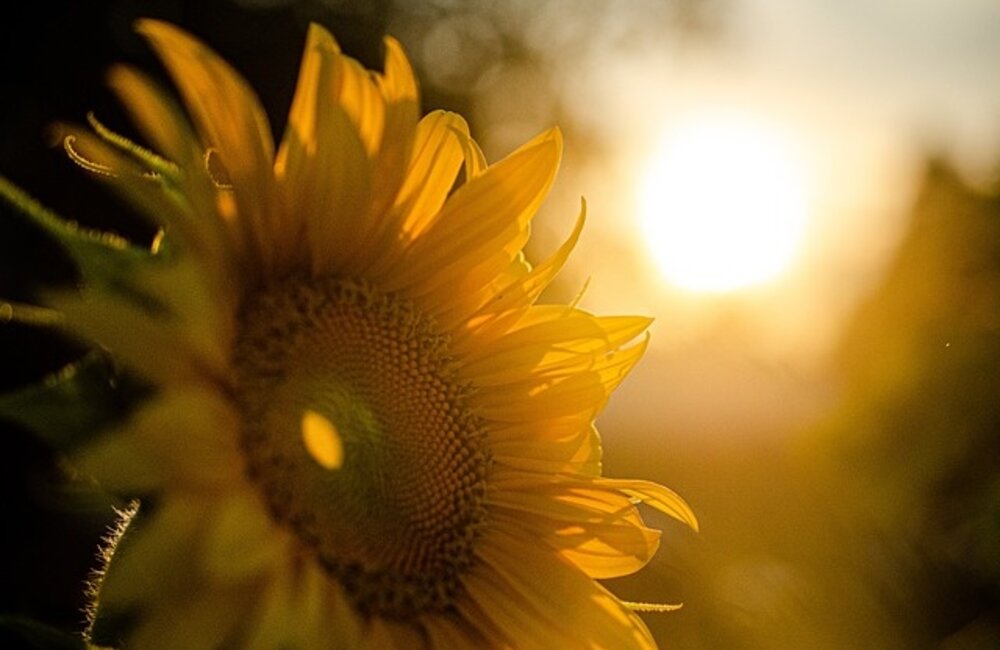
(723, 204)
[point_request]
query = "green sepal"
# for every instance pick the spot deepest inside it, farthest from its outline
(69, 406)
(105, 260)
(109, 627)
(156, 164)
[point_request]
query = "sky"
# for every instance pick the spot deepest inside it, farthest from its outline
(860, 92)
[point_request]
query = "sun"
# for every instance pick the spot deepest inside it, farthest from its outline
(723, 203)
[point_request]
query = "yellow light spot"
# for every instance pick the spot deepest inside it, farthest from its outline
(322, 440)
(723, 204)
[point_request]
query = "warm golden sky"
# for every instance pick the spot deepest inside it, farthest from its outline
(747, 166)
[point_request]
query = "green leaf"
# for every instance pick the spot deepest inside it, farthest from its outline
(70, 405)
(104, 259)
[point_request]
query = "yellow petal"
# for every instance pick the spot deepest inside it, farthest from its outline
(601, 549)
(157, 444)
(578, 392)
(430, 175)
(475, 161)
(387, 634)
(569, 499)
(293, 162)
(399, 94)
(361, 99)
(324, 169)
(303, 609)
(231, 121)
(538, 451)
(516, 290)
(566, 608)
(654, 495)
(451, 632)
(322, 166)
(596, 529)
(338, 187)
(241, 540)
(499, 259)
(487, 218)
(574, 340)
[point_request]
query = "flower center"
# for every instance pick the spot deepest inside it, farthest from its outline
(358, 434)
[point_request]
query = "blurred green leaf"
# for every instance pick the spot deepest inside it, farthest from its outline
(103, 258)
(69, 405)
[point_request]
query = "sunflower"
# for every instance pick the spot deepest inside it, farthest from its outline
(365, 433)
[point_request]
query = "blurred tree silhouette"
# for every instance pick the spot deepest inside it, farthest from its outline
(916, 442)
(880, 526)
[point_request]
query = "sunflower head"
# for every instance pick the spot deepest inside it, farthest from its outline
(366, 432)
(330, 363)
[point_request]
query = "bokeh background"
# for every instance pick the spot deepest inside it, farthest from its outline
(823, 383)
